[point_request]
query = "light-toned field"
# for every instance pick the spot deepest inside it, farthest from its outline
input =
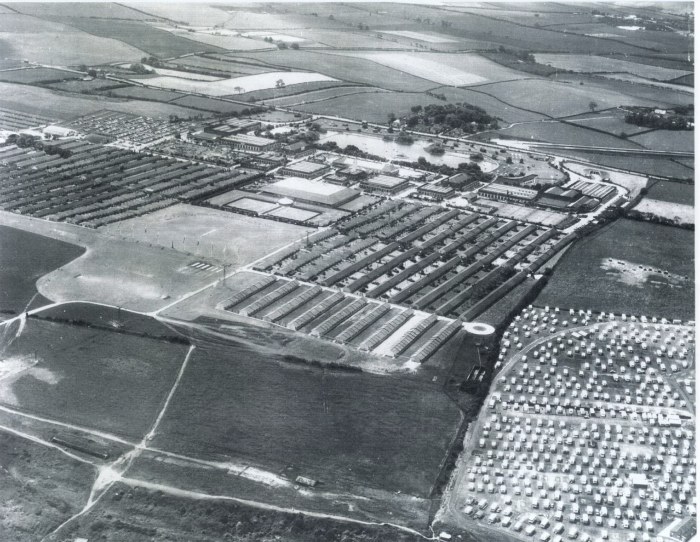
(667, 140)
(275, 36)
(630, 78)
(202, 15)
(208, 233)
(443, 68)
(25, 37)
(682, 214)
(183, 75)
(597, 64)
(225, 41)
(421, 36)
(248, 83)
(609, 121)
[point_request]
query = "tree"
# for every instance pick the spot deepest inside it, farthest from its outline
(281, 45)
(279, 83)
(592, 106)
(295, 45)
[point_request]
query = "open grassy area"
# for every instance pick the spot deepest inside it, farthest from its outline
(30, 76)
(667, 140)
(627, 267)
(379, 431)
(672, 192)
(90, 377)
(234, 238)
(354, 70)
(25, 258)
(649, 165)
(597, 64)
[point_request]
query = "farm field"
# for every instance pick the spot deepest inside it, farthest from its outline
(79, 9)
(679, 213)
(137, 34)
(443, 68)
(225, 65)
(143, 93)
(321, 95)
(225, 87)
(208, 104)
(30, 76)
(667, 140)
(619, 269)
(672, 192)
(49, 42)
(345, 38)
(286, 90)
(60, 371)
(322, 422)
(610, 121)
(597, 64)
(80, 86)
(221, 42)
(493, 106)
(25, 258)
(42, 101)
(350, 69)
(563, 99)
(203, 232)
(421, 36)
(649, 165)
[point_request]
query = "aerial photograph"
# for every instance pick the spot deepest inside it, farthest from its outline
(347, 271)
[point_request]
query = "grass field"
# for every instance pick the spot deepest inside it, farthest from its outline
(248, 83)
(582, 279)
(611, 121)
(42, 101)
(224, 42)
(562, 99)
(326, 423)
(223, 66)
(80, 9)
(673, 192)
(30, 76)
(98, 379)
(322, 94)
(25, 258)
(143, 93)
(237, 239)
(679, 213)
(48, 42)
(140, 35)
(649, 165)
(353, 70)
(597, 64)
(667, 140)
(209, 104)
(79, 86)
(443, 68)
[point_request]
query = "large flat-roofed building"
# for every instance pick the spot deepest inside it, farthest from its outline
(305, 169)
(234, 126)
(250, 143)
(504, 192)
(436, 192)
(385, 184)
(312, 191)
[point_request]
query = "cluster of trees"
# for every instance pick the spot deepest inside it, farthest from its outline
(661, 121)
(136, 67)
(466, 117)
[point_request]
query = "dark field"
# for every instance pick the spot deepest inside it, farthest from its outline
(141, 93)
(579, 280)
(32, 76)
(25, 257)
(78, 85)
(650, 165)
(673, 192)
(210, 104)
(379, 431)
(95, 378)
(140, 35)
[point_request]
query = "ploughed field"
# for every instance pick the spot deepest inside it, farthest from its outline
(25, 258)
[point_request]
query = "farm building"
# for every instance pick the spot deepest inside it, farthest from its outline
(305, 169)
(250, 143)
(385, 184)
(312, 191)
(436, 192)
(503, 192)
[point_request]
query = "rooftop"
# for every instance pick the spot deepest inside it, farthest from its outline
(250, 140)
(386, 181)
(305, 167)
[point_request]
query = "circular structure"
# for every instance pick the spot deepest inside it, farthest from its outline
(285, 201)
(477, 328)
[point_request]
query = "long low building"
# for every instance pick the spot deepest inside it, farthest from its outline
(250, 143)
(385, 184)
(508, 193)
(312, 191)
(306, 169)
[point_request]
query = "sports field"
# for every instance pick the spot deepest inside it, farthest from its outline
(209, 233)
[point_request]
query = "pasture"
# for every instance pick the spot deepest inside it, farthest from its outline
(95, 378)
(237, 85)
(598, 64)
(49, 42)
(208, 104)
(222, 42)
(143, 93)
(140, 35)
(562, 99)
(421, 36)
(246, 405)
(648, 165)
(43, 101)
(321, 95)
(667, 140)
(25, 258)
(607, 271)
(345, 68)
(443, 68)
(672, 192)
(233, 238)
(32, 76)
(221, 64)
(611, 121)
(679, 213)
